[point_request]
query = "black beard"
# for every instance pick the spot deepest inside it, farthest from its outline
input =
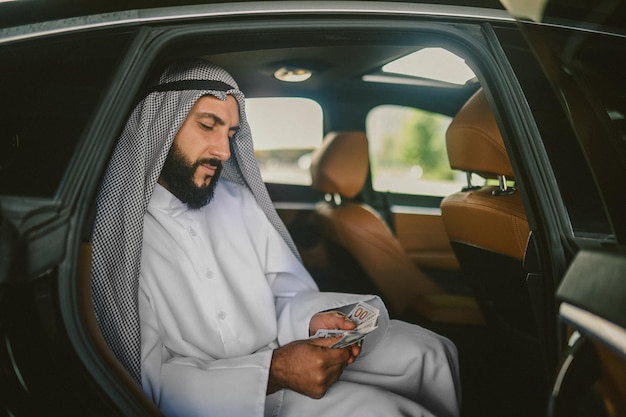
(178, 175)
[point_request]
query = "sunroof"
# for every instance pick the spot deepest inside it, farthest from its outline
(434, 64)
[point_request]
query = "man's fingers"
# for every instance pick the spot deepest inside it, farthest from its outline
(330, 320)
(340, 321)
(355, 349)
(325, 341)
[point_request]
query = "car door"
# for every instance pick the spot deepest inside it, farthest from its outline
(584, 68)
(592, 372)
(57, 124)
(583, 59)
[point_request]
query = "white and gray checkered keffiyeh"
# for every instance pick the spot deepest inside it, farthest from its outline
(128, 184)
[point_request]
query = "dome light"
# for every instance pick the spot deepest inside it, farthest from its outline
(292, 74)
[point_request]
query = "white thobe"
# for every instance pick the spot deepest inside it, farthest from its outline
(219, 290)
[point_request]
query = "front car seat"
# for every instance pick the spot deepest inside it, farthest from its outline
(487, 225)
(489, 233)
(339, 169)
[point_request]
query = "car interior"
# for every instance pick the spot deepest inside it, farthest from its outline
(422, 254)
(358, 239)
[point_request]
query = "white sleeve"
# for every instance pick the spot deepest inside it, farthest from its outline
(297, 297)
(193, 387)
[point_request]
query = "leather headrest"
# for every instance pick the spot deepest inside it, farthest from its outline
(341, 164)
(474, 142)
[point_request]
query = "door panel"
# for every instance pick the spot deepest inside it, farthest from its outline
(592, 294)
(425, 241)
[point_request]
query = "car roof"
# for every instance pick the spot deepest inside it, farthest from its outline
(591, 14)
(608, 16)
(20, 12)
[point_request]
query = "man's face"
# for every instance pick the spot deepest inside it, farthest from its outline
(200, 147)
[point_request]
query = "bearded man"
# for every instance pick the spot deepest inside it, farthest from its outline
(200, 291)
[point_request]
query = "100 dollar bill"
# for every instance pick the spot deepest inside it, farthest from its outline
(364, 316)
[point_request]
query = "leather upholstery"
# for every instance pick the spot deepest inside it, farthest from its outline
(424, 239)
(489, 233)
(360, 229)
(340, 166)
(476, 217)
(474, 142)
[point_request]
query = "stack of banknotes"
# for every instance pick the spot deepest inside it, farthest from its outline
(366, 319)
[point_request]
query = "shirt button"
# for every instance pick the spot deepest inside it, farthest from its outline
(208, 274)
(221, 315)
(192, 232)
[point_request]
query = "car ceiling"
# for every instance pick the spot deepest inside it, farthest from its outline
(337, 76)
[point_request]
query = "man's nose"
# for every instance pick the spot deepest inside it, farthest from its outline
(221, 147)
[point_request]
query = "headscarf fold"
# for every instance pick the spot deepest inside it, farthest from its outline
(128, 184)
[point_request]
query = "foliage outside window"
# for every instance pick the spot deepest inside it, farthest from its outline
(408, 152)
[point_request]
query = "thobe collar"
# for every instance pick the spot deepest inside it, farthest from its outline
(163, 200)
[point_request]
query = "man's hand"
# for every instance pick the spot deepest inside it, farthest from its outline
(330, 320)
(335, 320)
(309, 366)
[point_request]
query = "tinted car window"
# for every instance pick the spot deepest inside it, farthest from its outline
(48, 90)
(599, 66)
(568, 159)
(408, 152)
(286, 130)
(597, 63)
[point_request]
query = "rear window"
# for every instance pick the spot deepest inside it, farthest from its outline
(408, 152)
(285, 131)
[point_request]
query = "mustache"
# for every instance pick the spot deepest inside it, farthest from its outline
(209, 161)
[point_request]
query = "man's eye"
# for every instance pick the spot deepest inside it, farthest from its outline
(206, 127)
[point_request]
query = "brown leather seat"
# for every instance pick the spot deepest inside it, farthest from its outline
(498, 221)
(339, 169)
(487, 225)
(489, 231)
